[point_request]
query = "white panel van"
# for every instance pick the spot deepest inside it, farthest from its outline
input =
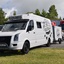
(24, 32)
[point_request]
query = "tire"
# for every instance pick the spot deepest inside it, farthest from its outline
(48, 44)
(26, 47)
(59, 40)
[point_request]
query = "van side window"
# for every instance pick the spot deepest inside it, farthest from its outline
(39, 25)
(30, 26)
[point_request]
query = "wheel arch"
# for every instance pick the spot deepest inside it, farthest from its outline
(27, 41)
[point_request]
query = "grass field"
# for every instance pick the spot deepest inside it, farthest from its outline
(35, 56)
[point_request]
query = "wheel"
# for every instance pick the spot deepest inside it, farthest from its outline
(26, 47)
(59, 40)
(48, 44)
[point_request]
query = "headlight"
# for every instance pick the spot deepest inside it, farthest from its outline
(16, 37)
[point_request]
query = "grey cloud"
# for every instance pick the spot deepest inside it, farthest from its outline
(2, 2)
(24, 6)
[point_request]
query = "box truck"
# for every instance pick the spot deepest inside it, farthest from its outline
(24, 32)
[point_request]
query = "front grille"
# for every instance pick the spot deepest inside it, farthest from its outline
(5, 40)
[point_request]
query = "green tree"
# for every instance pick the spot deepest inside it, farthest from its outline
(14, 13)
(37, 12)
(52, 13)
(2, 16)
(44, 13)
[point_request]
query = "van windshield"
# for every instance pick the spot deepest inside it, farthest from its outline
(13, 26)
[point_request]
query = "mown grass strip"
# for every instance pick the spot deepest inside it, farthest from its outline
(35, 56)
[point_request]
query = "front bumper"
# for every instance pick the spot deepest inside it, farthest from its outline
(10, 45)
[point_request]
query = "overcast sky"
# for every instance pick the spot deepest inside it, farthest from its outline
(23, 6)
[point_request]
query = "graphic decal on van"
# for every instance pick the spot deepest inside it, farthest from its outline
(47, 27)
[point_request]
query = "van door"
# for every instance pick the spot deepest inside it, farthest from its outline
(40, 34)
(31, 33)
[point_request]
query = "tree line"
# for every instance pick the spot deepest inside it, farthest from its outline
(51, 14)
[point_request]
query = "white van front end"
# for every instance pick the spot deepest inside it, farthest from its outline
(12, 35)
(5, 40)
(11, 40)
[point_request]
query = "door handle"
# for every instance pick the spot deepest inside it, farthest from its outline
(33, 32)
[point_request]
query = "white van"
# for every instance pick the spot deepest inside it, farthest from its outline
(24, 32)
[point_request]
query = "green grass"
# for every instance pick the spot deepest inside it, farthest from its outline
(35, 56)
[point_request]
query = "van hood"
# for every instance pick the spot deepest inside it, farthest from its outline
(10, 33)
